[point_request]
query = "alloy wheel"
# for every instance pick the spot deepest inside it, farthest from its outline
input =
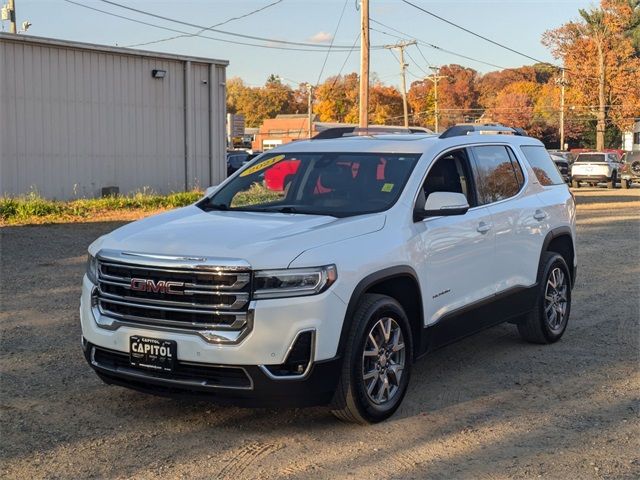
(383, 361)
(555, 300)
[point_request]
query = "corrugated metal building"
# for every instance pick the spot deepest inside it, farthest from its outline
(76, 117)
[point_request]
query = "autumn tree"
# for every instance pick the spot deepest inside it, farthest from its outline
(385, 105)
(602, 62)
(421, 100)
(336, 100)
(258, 103)
(457, 94)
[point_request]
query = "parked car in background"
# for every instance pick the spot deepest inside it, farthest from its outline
(594, 168)
(563, 166)
(237, 158)
(567, 156)
(630, 170)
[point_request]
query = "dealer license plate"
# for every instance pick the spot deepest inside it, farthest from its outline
(152, 353)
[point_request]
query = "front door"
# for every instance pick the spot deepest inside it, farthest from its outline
(455, 254)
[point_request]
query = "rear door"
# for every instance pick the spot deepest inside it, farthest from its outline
(517, 216)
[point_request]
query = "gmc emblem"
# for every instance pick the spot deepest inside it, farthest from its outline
(161, 286)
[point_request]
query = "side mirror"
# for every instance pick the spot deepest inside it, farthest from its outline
(209, 191)
(441, 204)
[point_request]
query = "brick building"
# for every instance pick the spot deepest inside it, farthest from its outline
(287, 128)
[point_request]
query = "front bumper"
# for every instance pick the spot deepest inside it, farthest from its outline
(276, 326)
(246, 385)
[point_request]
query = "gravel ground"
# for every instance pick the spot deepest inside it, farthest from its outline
(490, 406)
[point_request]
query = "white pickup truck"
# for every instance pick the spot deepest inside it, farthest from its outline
(321, 270)
(596, 167)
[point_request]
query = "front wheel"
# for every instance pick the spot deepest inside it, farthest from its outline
(547, 321)
(377, 362)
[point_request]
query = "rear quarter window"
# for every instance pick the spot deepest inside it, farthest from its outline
(545, 170)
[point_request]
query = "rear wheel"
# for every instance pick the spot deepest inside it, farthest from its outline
(547, 322)
(377, 362)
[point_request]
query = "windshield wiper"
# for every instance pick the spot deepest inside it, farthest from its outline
(215, 206)
(287, 210)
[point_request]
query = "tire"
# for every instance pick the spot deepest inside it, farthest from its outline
(612, 183)
(536, 326)
(575, 184)
(353, 401)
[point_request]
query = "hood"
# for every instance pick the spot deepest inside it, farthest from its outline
(265, 240)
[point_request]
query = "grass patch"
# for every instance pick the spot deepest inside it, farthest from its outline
(256, 193)
(34, 209)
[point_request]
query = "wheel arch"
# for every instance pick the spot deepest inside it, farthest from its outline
(560, 240)
(400, 283)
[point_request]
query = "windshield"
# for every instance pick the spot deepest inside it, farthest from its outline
(336, 184)
(591, 157)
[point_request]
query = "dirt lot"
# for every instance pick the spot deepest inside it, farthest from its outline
(488, 407)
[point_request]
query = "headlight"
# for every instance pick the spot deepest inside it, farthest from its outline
(293, 282)
(92, 269)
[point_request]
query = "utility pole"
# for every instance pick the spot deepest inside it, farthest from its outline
(435, 78)
(310, 106)
(11, 9)
(364, 64)
(403, 69)
(563, 83)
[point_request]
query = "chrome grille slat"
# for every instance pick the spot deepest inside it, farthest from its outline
(239, 322)
(169, 309)
(242, 278)
(241, 299)
(200, 300)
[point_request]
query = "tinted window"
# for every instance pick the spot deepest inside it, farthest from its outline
(322, 183)
(590, 157)
(542, 165)
(497, 178)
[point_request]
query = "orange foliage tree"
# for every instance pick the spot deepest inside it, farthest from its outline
(602, 63)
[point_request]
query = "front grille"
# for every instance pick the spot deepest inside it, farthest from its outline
(183, 372)
(210, 298)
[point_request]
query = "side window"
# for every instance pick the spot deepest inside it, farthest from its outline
(542, 165)
(497, 177)
(449, 173)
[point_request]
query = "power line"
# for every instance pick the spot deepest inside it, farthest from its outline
(422, 55)
(335, 80)
(431, 45)
(169, 29)
(224, 32)
(416, 63)
(257, 10)
(331, 44)
(474, 33)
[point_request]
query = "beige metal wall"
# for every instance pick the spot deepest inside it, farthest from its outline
(76, 118)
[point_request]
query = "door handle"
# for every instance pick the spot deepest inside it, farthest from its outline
(539, 215)
(483, 227)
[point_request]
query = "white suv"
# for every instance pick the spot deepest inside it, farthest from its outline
(596, 167)
(319, 272)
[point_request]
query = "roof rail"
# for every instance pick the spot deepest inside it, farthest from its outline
(482, 129)
(352, 131)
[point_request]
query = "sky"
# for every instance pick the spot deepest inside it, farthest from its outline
(516, 23)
